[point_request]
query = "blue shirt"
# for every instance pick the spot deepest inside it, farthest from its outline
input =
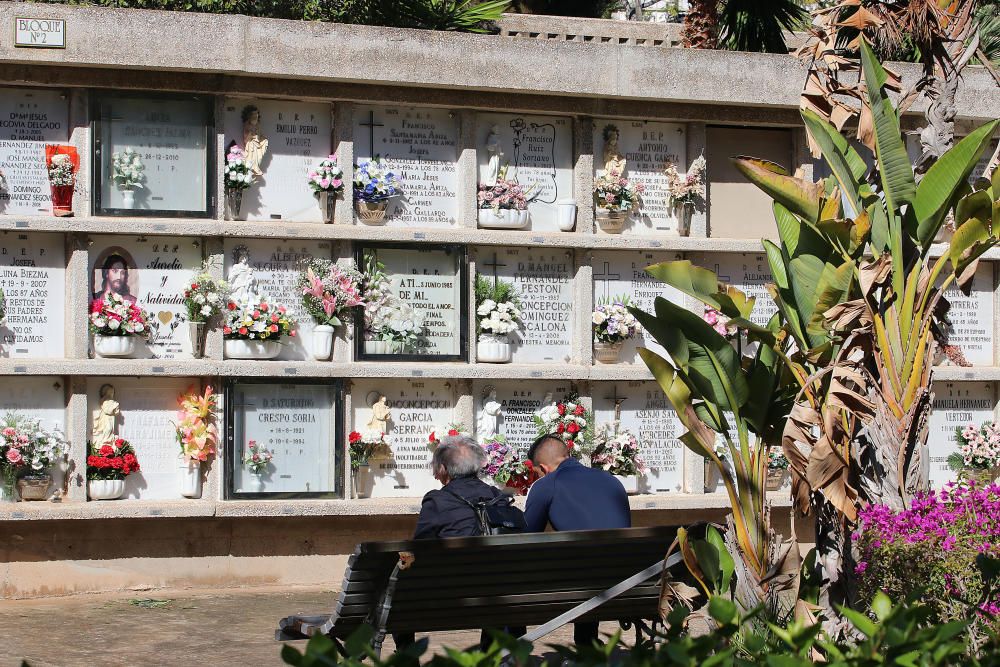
(575, 497)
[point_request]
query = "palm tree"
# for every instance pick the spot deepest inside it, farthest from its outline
(741, 25)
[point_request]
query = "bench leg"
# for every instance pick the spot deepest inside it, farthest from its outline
(382, 611)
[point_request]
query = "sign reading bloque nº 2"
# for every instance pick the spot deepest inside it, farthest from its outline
(40, 33)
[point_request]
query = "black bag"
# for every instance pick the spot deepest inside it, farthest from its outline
(496, 516)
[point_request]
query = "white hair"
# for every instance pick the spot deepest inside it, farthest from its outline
(459, 456)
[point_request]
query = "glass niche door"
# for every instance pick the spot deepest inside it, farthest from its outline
(294, 431)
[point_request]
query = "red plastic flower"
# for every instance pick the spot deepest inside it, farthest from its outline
(561, 407)
(243, 331)
(570, 444)
(452, 431)
(573, 428)
(560, 427)
(231, 306)
(354, 437)
(264, 306)
(194, 285)
(227, 330)
(578, 411)
(106, 450)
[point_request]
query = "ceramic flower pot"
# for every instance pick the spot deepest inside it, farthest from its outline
(502, 219)
(327, 205)
(981, 476)
(233, 204)
(255, 484)
(62, 200)
(241, 348)
(493, 349)
(114, 346)
(611, 222)
(566, 214)
(105, 489)
(776, 478)
(34, 487)
(190, 478)
(362, 481)
(322, 342)
(683, 214)
(371, 212)
(196, 338)
(607, 353)
(630, 482)
(128, 199)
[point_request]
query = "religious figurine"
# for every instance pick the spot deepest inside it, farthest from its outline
(254, 142)
(242, 277)
(546, 402)
(105, 417)
(496, 155)
(614, 161)
(380, 416)
(489, 420)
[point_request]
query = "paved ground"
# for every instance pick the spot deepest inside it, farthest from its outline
(172, 629)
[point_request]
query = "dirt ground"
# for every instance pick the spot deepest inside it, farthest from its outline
(180, 628)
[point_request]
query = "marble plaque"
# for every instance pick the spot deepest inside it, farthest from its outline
(956, 405)
(519, 402)
(33, 278)
(421, 147)
(648, 147)
(276, 265)
(971, 317)
(748, 272)
(38, 397)
(148, 410)
(646, 412)
(298, 137)
(416, 407)
(296, 423)
(624, 273)
(171, 137)
(544, 280)
(29, 119)
(157, 269)
(538, 152)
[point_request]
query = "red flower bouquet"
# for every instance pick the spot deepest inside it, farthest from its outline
(114, 459)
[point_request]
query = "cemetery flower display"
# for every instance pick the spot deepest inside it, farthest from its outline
(505, 467)
(326, 176)
(62, 171)
(238, 176)
(504, 195)
(195, 428)
(62, 163)
(616, 450)
(365, 445)
(614, 192)
(612, 321)
(689, 188)
(387, 318)
(438, 432)
(498, 307)
(257, 458)
(112, 315)
(776, 460)
(570, 421)
(127, 169)
(330, 292)
(260, 321)
(978, 448)
(717, 321)
(372, 183)
(27, 449)
(113, 460)
(205, 296)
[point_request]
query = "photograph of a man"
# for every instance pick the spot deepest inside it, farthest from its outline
(111, 276)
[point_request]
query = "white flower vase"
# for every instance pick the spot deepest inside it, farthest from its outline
(105, 489)
(375, 347)
(196, 338)
(362, 481)
(630, 482)
(241, 348)
(566, 214)
(322, 342)
(502, 219)
(256, 483)
(607, 353)
(233, 203)
(493, 349)
(114, 346)
(190, 478)
(128, 199)
(327, 206)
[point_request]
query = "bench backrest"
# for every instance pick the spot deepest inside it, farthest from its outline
(527, 579)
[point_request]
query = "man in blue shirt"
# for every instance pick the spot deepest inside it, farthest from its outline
(571, 496)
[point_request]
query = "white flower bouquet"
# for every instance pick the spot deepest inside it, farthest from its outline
(127, 169)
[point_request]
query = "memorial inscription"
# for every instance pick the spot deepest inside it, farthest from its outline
(971, 317)
(748, 272)
(33, 280)
(956, 405)
(39, 397)
(519, 401)
(29, 119)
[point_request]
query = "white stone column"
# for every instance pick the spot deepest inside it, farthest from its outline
(343, 143)
(219, 118)
(467, 170)
(80, 137)
(583, 173)
(78, 434)
(583, 297)
(215, 254)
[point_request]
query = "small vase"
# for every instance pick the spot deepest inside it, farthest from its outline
(713, 479)
(196, 338)
(607, 353)
(128, 199)
(493, 349)
(114, 346)
(776, 478)
(630, 482)
(256, 483)
(34, 487)
(233, 204)
(241, 348)
(190, 478)
(105, 489)
(371, 212)
(7, 494)
(683, 213)
(62, 200)
(612, 222)
(566, 214)
(375, 347)
(362, 481)
(322, 341)
(327, 205)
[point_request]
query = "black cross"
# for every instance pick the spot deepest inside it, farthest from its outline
(618, 405)
(495, 266)
(606, 277)
(718, 272)
(371, 125)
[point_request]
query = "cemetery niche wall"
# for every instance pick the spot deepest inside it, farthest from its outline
(29, 119)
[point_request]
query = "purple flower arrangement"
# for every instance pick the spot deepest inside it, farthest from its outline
(612, 321)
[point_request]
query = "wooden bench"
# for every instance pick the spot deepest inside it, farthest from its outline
(530, 579)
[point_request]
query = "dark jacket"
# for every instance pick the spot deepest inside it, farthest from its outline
(443, 515)
(575, 497)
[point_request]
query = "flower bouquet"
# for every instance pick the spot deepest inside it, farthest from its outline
(503, 205)
(62, 163)
(978, 455)
(613, 324)
(236, 178)
(373, 186)
(255, 332)
(205, 297)
(27, 454)
(505, 467)
(570, 421)
(614, 198)
(107, 467)
(127, 173)
(327, 181)
(616, 450)
(116, 324)
(257, 459)
(197, 435)
(330, 293)
(498, 314)
(391, 325)
(686, 191)
(438, 432)
(777, 468)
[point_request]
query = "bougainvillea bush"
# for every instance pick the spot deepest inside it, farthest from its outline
(932, 547)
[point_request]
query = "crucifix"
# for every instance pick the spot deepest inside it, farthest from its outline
(371, 125)
(495, 266)
(618, 405)
(606, 277)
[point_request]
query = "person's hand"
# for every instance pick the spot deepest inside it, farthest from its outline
(406, 559)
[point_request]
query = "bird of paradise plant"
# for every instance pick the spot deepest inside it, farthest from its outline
(197, 433)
